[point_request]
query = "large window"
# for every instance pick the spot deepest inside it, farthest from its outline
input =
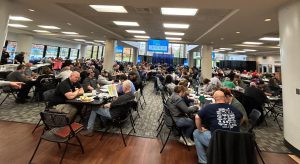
(127, 54)
(11, 49)
(51, 52)
(95, 52)
(64, 52)
(100, 52)
(74, 54)
(89, 52)
(36, 53)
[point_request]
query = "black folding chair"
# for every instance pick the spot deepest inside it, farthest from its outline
(253, 118)
(8, 91)
(57, 124)
(171, 127)
(161, 118)
(119, 121)
(48, 96)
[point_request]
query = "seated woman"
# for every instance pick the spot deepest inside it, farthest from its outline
(207, 87)
(179, 111)
(169, 84)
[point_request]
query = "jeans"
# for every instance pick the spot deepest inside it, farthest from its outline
(201, 139)
(101, 111)
(187, 126)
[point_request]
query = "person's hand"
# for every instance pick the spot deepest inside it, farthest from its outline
(16, 85)
(107, 105)
(203, 129)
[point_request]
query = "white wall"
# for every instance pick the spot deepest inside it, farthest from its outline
(273, 60)
(45, 41)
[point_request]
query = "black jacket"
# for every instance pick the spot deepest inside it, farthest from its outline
(118, 107)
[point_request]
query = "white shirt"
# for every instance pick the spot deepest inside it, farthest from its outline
(215, 81)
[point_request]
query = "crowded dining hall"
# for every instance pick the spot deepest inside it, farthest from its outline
(149, 82)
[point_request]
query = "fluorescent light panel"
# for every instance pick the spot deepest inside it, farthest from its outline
(79, 40)
(17, 25)
(142, 36)
(174, 33)
(249, 50)
(225, 49)
(268, 20)
(172, 38)
(175, 25)
(48, 27)
(125, 23)
(179, 11)
(19, 18)
(239, 51)
(253, 43)
(99, 41)
(275, 39)
(136, 31)
(70, 33)
(109, 8)
(41, 31)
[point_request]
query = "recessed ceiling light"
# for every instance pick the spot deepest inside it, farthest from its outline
(19, 18)
(70, 33)
(270, 39)
(89, 42)
(92, 32)
(125, 23)
(49, 27)
(225, 49)
(239, 51)
(69, 24)
(221, 38)
(31, 10)
(268, 20)
(79, 40)
(222, 50)
(249, 50)
(136, 31)
(238, 32)
(232, 52)
(253, 43)
(175, 25)
(99, 41)
(141, 36)
(179, 11)
(172, 38)
(17, 25)
(211, 42)
(109, 8)
(41, 31)
(174, 33)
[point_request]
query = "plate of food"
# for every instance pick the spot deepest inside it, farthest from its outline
(86, 99)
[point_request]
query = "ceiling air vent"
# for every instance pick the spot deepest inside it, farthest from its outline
(143, 10)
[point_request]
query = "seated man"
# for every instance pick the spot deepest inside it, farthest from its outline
(110, 110)
(215, 116)
(67, 90)
(18, 76)
(90, 82)
(102, 79)
(123, 78)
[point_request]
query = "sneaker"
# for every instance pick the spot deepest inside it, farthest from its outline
(190, 142)
(87, 133)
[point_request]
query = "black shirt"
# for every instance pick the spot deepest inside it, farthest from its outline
(63, 88)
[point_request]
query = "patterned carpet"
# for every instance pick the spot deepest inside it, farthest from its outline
(269, 138)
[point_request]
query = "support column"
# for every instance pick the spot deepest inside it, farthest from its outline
(289, 30)
(135, 55)
(24, 45)
(206, 61)
(83, 51)
(191, 59)
(109, 54)
(4, 15)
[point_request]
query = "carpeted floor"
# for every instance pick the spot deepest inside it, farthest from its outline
(269, 138)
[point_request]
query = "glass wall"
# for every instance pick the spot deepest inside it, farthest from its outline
(64, 53)
(11, 49)
(37, 52)
(89, 52)
(51, 52)
(74, 54)
(95, 52)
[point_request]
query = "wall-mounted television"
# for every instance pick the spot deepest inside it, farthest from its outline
(158, 45)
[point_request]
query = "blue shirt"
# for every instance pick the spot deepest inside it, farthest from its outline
(220, 116)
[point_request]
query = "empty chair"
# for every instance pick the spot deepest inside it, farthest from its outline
(8, 91)
(58, 129)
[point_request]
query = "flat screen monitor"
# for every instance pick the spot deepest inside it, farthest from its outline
(158, 45)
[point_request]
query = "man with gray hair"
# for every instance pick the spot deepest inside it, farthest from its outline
(111, 110)
(65, 73)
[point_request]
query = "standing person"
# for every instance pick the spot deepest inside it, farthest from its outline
(4, 56)
(19, 59)
(212, 117)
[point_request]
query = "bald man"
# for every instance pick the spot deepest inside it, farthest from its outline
(111, 110)
(219, 115)
(67, 90)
